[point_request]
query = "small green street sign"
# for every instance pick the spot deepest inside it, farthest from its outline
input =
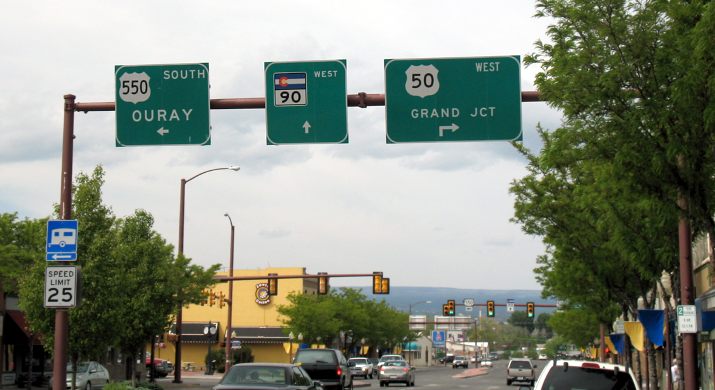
(306, 102)
(453, 99)
(162, 104)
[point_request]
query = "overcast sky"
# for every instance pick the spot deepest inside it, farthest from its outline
(426, 214)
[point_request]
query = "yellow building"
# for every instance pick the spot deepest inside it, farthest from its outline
(255, 320)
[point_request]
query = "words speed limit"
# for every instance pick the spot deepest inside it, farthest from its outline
(61, 286)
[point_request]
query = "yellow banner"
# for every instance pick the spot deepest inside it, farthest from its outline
(635, 332)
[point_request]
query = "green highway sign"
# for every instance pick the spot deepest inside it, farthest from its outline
(306, 102)
(162, 104)
(453, 99)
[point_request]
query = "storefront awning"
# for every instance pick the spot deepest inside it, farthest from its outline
(259, 335)
(193, 333)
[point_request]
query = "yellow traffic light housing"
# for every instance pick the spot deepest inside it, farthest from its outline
(450, 307)
(377, 282)
(222, 300)
(445, 310)
(490, 309)
(530, 309)
(385, 286)
(272, 285)
(205, 299)
(212, 298)
(323, 285)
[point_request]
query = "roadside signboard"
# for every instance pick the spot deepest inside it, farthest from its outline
(468, 302)
(453, 99)
(687, 319)
(235, 344)
(306, 102)
(62, 236)
(418, 322)
(468, 308)
(162, 104)
(439, 338)
(61, 286)
(510, 305)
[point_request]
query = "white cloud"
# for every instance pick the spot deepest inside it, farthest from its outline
(425, 214)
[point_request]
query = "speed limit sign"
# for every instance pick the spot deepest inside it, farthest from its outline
(61, 286)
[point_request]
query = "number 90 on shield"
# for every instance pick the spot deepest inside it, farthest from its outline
(290, 89)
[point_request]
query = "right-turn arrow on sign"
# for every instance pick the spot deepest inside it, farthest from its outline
(453, 99)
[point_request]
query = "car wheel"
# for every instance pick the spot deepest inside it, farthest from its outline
(508, 382)
(88, 386)
(382, 384)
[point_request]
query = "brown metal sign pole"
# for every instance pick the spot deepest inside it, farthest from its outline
(61, 315)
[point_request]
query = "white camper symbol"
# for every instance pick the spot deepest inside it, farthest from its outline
(63, 237)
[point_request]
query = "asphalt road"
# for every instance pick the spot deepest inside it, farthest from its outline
(438, 377)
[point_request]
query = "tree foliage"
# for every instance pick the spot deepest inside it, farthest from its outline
(346, 312)
(634, 82)
(131, 284)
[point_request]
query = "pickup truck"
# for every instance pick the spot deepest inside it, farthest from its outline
(520, 370)
(328, 366)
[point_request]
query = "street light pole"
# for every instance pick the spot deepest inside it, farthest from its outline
(290, 347)
(230, 299)
(179, 316)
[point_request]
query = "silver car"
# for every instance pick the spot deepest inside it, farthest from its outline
(90, 375)
(396, 371)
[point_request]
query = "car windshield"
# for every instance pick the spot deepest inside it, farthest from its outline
(460, 358)
(519, 364)
(255, 375)
(579, 378)
(358, 361)
(81, 367)
(390, 358)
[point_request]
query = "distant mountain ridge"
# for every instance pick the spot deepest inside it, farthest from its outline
(402, 297)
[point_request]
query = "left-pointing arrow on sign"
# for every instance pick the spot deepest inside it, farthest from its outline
(162, 131)
(57, 256)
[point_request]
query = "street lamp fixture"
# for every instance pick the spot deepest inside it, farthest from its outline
(210, 332)
(417, 303)
(230, 298)
(180, 250)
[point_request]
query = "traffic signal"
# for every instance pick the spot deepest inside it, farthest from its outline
(206, 298)
(272, 285)
(323, 286)
(450, 307)
(212, 298)
(445, 310)
(222, 300)
(377, 282)
(490, 309)
(385, 286)
(530, 309)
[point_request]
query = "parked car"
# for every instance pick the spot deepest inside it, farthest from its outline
(267, 376)
(486, 363)
(578, 374)
(389, 358)
(360, 366)
(396, 371)
(329, 366)
(162, 367)
(460, 361)
(448, 359)
(89, 376)
(520, 370)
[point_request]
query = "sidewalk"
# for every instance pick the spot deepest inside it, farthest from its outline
(471, 372)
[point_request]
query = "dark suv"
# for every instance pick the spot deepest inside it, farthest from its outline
(328, 366)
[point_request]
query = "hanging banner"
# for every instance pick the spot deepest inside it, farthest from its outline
(635, 332)
(654, 323)
(618, 341)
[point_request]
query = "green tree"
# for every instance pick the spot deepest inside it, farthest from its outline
(129, 276)
(520, 319)
(322, 318)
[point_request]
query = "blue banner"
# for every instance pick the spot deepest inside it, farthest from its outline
(654, 322)
(618, 341)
